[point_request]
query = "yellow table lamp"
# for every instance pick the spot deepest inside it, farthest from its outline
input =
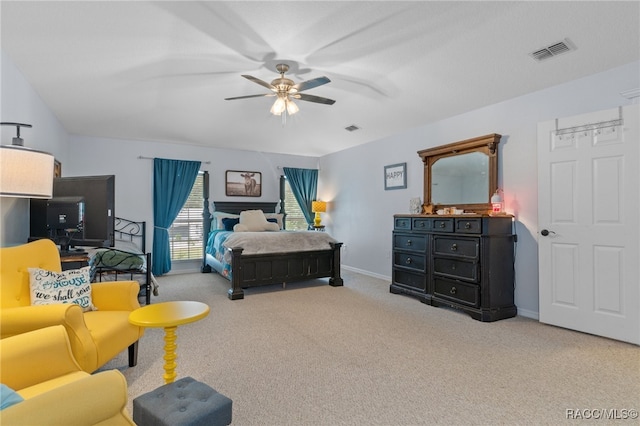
(318, 207)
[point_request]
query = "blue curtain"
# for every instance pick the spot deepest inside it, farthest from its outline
(172, 183)
(304, 185)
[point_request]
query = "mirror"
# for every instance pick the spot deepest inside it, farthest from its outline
(462, 174)
(460, 179)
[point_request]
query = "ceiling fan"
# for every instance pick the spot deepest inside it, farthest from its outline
(286, 91)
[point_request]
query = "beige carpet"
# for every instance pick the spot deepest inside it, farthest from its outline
(312, 354)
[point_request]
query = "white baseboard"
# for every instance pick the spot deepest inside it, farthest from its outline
(529, 314)
(368, 273)
(522, 312)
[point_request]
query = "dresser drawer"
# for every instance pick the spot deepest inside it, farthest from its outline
(455, 268)
(402, 223)
(411, 242)
(421, 224)
(409, 260)
(443, 225)
(410, 279)
(469, 226)
(468, 248)
(466, 294)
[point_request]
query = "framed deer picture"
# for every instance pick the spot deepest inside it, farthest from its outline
(243, 184)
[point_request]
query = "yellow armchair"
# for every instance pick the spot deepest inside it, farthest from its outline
(40, 367)
(95, 336)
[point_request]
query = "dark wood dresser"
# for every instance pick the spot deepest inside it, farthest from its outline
(465, 262)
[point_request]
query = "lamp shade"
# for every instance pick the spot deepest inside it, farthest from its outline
(292, 108)
(318, 206)
(25, 173)
(279, 106)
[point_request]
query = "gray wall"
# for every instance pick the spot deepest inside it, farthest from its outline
(361, 211)
(87, 156)
(134, 176)
(19, 103)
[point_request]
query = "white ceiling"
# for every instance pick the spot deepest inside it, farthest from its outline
(160, 71)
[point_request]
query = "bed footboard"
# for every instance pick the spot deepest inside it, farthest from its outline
(274, 268)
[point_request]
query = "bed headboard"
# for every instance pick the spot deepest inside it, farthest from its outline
(235, 207)
(128, 230)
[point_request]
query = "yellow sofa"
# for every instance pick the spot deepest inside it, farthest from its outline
(95, 336)
(40, 367)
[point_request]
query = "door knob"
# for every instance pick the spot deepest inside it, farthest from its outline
(546, 232)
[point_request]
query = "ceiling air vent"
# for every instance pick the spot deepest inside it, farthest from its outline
(352, 128)
(553, 50)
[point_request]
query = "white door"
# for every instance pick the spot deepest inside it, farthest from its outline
(588, 215)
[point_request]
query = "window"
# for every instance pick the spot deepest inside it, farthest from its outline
(294, 219)
(185, 234)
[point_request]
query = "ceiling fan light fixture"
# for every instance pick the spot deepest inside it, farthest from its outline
(279, 106)
(286, 91)
(292, 108)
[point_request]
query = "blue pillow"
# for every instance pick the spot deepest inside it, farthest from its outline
(229, 223)
(8, 397)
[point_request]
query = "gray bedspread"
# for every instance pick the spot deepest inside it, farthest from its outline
(279, 242)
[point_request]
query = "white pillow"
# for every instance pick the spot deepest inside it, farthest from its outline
(216, 223)
(255, 221)
(272, 227)
(73, 286)
(268, 227)
(277, 216)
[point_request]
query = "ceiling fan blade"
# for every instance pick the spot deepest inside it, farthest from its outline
(249, 96)
(310, 84)
(260, 82)
(312, 98)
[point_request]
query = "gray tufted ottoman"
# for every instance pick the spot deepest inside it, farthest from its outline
(185, 402)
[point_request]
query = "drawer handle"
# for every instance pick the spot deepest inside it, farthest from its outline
(420, 224)
(453, 267)
(441, 224)
(454, 247)
(453, 290)
(409, 260)
(467, 225)
(408, 242)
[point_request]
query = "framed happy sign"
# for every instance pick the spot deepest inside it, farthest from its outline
(395, 176)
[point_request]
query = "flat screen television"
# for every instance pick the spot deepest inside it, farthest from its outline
(98, 193)
(65, 220)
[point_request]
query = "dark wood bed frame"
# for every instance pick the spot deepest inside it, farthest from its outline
(253, 270)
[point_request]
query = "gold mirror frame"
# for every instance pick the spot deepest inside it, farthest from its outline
(487, 144)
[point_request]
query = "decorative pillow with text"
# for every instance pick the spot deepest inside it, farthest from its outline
(73, 286)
